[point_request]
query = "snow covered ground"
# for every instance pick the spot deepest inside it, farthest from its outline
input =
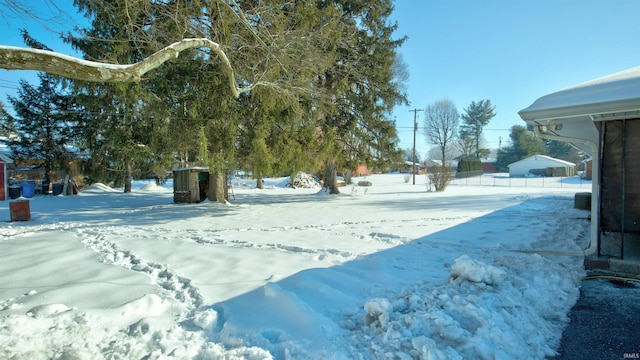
(389, 271)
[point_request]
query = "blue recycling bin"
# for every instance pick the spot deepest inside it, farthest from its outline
(28, 189)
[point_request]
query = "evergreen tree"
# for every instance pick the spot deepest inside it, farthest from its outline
(334, 90)
(7, 128)
(47, 120)
(121, 128)
(275, 140)
(362, 87)
(45, 123)
(563, 150)
(282, 45)
(466, 144)
(475, 117)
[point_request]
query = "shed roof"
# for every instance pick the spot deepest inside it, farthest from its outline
(543, 157)
(5, 159)
(193, 169)
(615, 93)
(5, 152)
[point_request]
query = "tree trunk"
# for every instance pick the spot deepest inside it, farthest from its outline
(259, 184)
(218, 186)
(127, 176)
(47, 176)
(330, 177)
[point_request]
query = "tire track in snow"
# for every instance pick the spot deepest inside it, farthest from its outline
(171, 284)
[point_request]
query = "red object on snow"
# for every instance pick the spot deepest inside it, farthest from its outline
(20, 210)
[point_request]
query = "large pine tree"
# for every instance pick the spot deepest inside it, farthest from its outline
(362, 89)
(475, 117)
(7, 129)
(45, 123)
(326, 69)
(122, 124)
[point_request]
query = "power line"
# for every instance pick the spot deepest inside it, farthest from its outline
(9, 84)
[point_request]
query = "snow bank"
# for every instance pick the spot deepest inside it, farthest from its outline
(515, 308)
(98, 188)
(144, 328)
(302, 180)
(475, 271)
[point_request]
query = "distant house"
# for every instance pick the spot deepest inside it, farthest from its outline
(602, 118)
(436, 163)
(409, 166)
(489, 167)
(542, 165)
(360, 170)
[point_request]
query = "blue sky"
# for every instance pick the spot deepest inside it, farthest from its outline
(53, 21)
(508, 51)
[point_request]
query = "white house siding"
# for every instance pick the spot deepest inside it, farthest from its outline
(525, 166)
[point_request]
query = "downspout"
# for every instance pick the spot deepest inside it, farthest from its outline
(622, 193)
(595, 186)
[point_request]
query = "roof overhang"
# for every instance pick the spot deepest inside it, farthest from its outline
(615, 96)
(568, 115)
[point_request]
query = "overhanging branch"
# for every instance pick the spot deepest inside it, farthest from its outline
(17, 58)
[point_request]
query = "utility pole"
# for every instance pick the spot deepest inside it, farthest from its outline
(415, 130)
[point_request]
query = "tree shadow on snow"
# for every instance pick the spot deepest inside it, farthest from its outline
(318, 304)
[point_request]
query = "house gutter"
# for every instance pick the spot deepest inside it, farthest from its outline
(595, 189)
(550, 111)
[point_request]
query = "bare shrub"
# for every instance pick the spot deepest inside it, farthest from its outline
(440, 177)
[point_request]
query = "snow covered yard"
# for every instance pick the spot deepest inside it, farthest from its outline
(389, 271)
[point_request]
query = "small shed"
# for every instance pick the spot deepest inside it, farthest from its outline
(190, 185)
(542, 165)
(4, 178)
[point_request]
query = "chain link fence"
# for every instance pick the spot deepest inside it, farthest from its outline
(503, 179)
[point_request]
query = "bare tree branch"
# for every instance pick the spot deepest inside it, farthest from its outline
(17, 58)
(441, 125)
